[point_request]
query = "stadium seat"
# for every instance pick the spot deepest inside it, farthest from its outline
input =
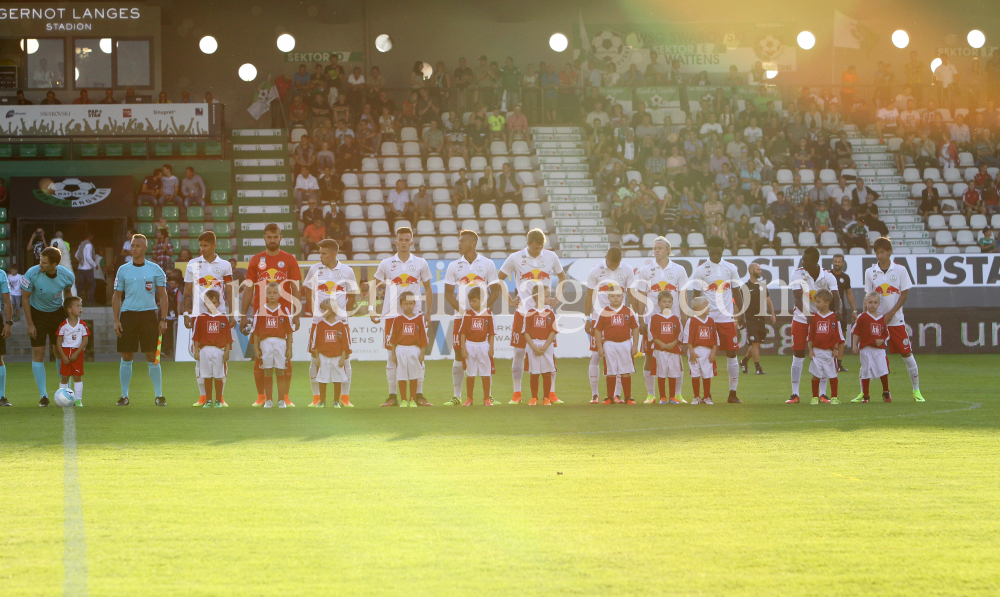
(978, 222)
(965, 159)
(957, 222)
(532, 210)
(426, 228)
(745, 253)
(768, 252)
(943, 238)
(827, 176)
(853, 251)
(442, 211)
(518, 242)
(196, 213)
(492, 227)
(496, 243)
(807, 239)
(784, 176)
(829, 239)
(660, 191)
(369, 165)
(497, 163)
(523, 163)
(219, 197)
(222, 229)
(526, 178)
(466, 211)
(634, 175)
(449, 243)
(470, 224)
(995, 222)
(195, 229)
(515, 226)
(942, 189)
(965, 237)
(224, 246)
(695, 240)
(391, 165)
(807, 176)
(408, 133)
(787, 240)
(498, 148)
(221, 213)
(959, 189)
(349, 179)
(446, 227)
(371, 180)
(933, 174)
(441, 195)
(171, 213)
(357, 228)
(360, 244)
(973, 249)
(487, 210)
(362, 257)
(411, 148)
(520, 148)
(539, 224)
(948, 206)
(144, 228)
(390, 148)
(647, 240)
(952, 175)
(895, 143)
(174, 230)
(456, 163)
(142, 213)
(380, 228)
(951, 250)
(529, 195)
(353, 212)
(428, 243)
(509, 210)
(376, 212)
(917, 190)
(478, 164)
(936, 222)
(675, 240)
(849, 173)
(415, 180)
(413, 165)
(970, 174)
(402, 224)
(383, 244)
(352, 196)
(911, 175)
(790, 251)
(435, 164)
(437, 180)
(699, 253)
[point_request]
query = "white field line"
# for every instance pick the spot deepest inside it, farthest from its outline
(75, 551)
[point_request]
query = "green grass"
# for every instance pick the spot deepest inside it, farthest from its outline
(758, 499)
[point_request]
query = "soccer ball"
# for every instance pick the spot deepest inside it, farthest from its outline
(656, 101)
(71, 187)
(64, 397)
(769, 45)
(607, 45)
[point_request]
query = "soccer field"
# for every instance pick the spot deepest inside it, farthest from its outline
(755, 499)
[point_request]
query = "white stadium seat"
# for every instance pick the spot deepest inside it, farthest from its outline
(349, 179)
(383, 244)
(465, 211)
(428, 243)
(391, 165)
(374, 196)
(358, 228)
(435, 164)
(446, 227)
(425, 227)
(456, 163)
(413, 165)
(411, 148)
(380, 228)
(352, 196)
(369, 165)
(442, 211)
(390, 148)
(442, 196)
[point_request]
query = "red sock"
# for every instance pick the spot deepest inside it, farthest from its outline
(534, 385)
(627, 386)
(708, 386)
(262, 382)
(662, 384)
(833, 387)
(546, 384)
(885, 383)
(864, 386)
(673, 387)
(610, 383)
(696, 386)
(815, 386)
(470, 386)
(487, 384)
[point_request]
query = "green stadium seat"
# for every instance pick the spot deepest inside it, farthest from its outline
(174, 228)
(189, 149)
(3, 214)
(4, 247)
(195, 228)
(144, 213)
(220, 197)
(213, 148)
(171, 212)
(222, 229)
(194, 246)
(4, 230)
(224, 246)
(3, 263)
(163, 149)
(28, 150)
(53, 150)
(137, 149)
(145, 228)
(220, 213)
(89, 150)
(114, 150)
(6, 151)
(196, 213)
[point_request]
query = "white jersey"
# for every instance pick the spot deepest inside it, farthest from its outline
(716, 281)
(73, 335)
(526, 270)
(601, 277)
(325, 283)
(652, 279)
(465, 276)
(889, 284)
(402, 276)
(803, 280)
(15, 284)
(207, 275)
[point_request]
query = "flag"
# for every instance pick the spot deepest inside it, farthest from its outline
(585, 51)
(851, 33)
(261, 103)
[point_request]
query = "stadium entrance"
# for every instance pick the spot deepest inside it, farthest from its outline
(109, 235)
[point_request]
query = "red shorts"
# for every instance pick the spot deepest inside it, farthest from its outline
(729, 336)
(516, 339)
(899, 341)
(456, 338)
(73, 367)
(800, 335)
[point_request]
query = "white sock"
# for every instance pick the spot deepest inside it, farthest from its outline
(199, 378)
(78, 390)
(63, 386)
(733, 365)
(345, 388)
(595, 373)
(390, 376)
(796, 373)
(822, 386)
(457, 377)
(650, 382)
(517, 369)
(911, 368)
(552, 387)
(420, 387)
(313, 370)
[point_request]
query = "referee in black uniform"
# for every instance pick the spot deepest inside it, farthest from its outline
(847, 315)
(756, 318)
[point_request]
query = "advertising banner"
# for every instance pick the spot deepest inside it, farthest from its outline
(659, 97)
(620, 96)
(79, 198)
(105, 120)
(323, 57)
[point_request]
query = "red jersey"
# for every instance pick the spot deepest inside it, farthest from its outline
(824, 331)
(330, 339)
(666, 330)
(617, 326)
(971, 197)
(272, 324)
(868, 329)
(538, 324)
(282, 268)
(212, 330)
(699, 333)
(477, 327)
(409, 332)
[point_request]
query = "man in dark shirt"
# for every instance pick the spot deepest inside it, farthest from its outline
(756, 315)
(847, 314)
(478, 138)
(335, 75)
(21, 100)
(50, 99)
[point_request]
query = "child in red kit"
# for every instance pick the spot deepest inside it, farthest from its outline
(870, 335)
(702, 341)
(665, 329)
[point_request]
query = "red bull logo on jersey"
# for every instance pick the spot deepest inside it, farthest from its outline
(661, 286)
(330, 288)
(404, 280)
(471, 280)
(274, 275)
(209, 282)
(535, 274)
(886, 290)
(718, 286)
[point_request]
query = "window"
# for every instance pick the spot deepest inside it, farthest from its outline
(133, 63)
(92, 62)
(45, 60)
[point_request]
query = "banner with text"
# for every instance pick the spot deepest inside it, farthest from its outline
(78, 198)
(323, 57)
(619, 96)
(75, 120)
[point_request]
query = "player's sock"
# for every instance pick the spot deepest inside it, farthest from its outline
(707, 382)
(626, 386)
(696, 386)
(345, 387)
(885, 383)
(63, 386)
(260, 380)
(313, 370)
(609, 381)
(470, 387)
(546, 384)
(78, 390)
(815, 384)
(796, 373)
(420, 387)
(650, 380)
(661, 383)
(672, 384)
(487, 386)
(534, 385)
(822, 386)
(517, 368)
(911, 368)
(125, 376)
(390, 375)
(3, 380)
(595, 374)
(552, 388)
(833, 387)
(38, 370)
(457, 374)
(865, 384)
(201, 386)
(208, 392)
(733, 365)
(156, 376)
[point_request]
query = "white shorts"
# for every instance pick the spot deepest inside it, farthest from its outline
(618, 358)
(541, 364)
(478, 363)
(211, 363)
(668, 364)
(272, 353)
(330, 371)
(823, 364)
(408, 365)
(701, 366)
(873, 362)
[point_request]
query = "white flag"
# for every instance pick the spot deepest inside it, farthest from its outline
(845, 31)
(266, 94)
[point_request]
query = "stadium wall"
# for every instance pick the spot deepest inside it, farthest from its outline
(217, 174)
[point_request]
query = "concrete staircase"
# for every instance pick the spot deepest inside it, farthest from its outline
(103, 342)
(578, 216)
(263, 185)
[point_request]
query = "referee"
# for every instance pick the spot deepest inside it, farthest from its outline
(847, 318)
(755, 316)
(44, 288)
(138, 286)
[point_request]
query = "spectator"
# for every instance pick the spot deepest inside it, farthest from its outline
(861, 192)
(487, 191)
(479, 140)
(717, 160)
(929, 200)
(434, 140)
(764, 234)
(597, 116)
(85, 98)
(856, 235)
(325, 158)
(335, 74)
(423, 203)
(843, 214)
(550, 81)
(22, 101)
(656, 167)
(517, 126)
(945, 75)
(461, 189)
(298, 111)
(690, 212)
(427, 108)
(349, 155)
(510, 80)
(462, 81)
(370, 139)
(847, 82)
(306, 188)
(509, 186)
(455, 139)
(972, 202)
(743, 235)
(163, 251)
(823, 222)
(331, 188)
(960, 134)
(867, 213)
(151, 192)
(844, 152)
(948, 154)
(311, 235)
(324, 134)
(735, 212)
(989, 197)
(163, 98)
(169, 187)
(886, 119)
(987, 244)
(627, 149)
(722, 178)
(311, 212)
(50, 98)
(341, 110)
(783, 213)
(342, 133)
(109, 97)
(356, 88)
(305, 154)
(387, 125)
(301, 81)
(318, 111)
(399, 205)
(717, 227)
(193, 188)
(647, 214)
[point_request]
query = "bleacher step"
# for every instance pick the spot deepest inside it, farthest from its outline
(561, 230)
(555, 130)
(572, 223)
(574, 159)
(560, 152)
(565, 239)
(576, 137)
(589, 198)
(547, 168)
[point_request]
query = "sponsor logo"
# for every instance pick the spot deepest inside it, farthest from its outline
(404, 280)
(477, 324)
(719, 286)
(331, 335)
(471, 280)
(823, 327)
(409, 329)
(126, 112)
(886, 290)
(70, 192)
(704, 333)
(667, 328)
(213, 327)
(149, 287)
